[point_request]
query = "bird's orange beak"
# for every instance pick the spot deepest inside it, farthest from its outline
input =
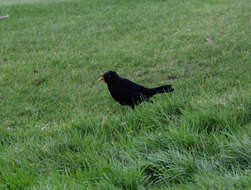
(101, 78)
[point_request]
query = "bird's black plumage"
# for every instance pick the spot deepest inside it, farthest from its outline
(129, 93)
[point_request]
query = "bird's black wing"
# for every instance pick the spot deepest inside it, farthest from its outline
(128, 92)
(128, 87)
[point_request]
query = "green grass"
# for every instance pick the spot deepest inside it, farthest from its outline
(59, 127)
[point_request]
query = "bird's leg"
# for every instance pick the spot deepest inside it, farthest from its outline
(132, 106)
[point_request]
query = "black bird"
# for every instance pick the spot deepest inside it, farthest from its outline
(129, 93)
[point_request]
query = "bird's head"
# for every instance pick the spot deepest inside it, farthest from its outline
(109, 77)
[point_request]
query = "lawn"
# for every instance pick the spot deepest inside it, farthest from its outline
(60, 128)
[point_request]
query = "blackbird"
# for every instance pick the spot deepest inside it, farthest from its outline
(129, 93)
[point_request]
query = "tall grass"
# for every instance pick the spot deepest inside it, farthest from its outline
(59, 127)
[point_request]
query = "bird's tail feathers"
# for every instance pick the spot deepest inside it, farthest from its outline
(163, 89)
